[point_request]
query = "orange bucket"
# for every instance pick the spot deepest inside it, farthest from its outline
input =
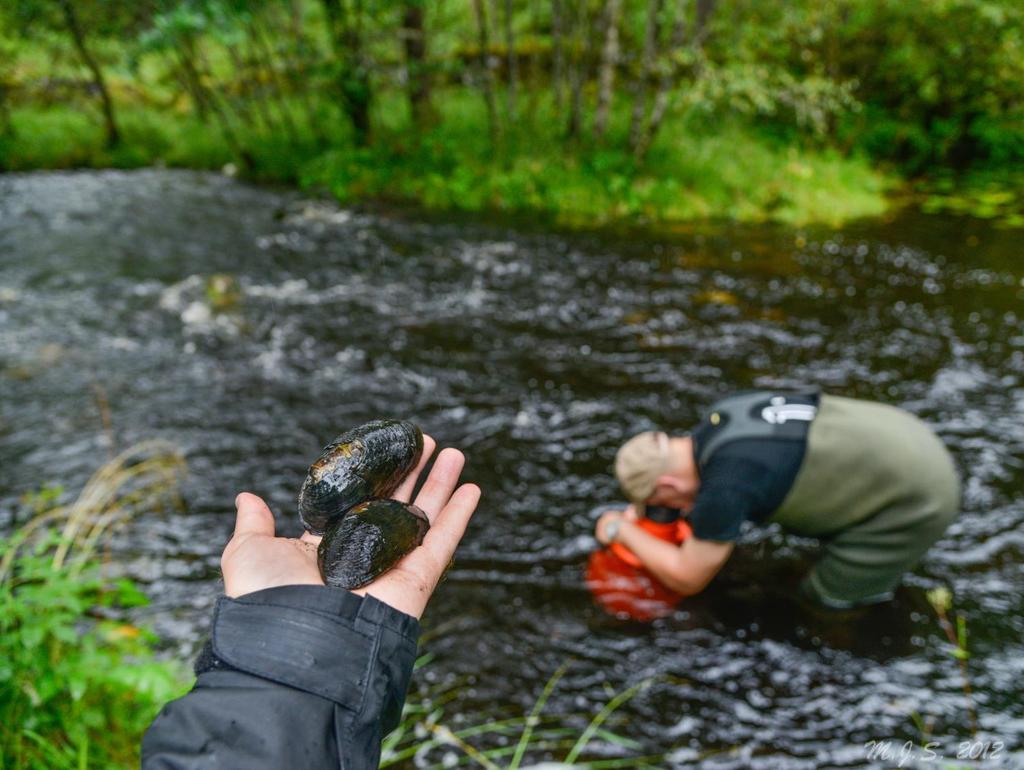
(626, 591)
(623, 587)
(672, 532)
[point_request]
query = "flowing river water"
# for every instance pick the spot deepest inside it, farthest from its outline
(537, 354)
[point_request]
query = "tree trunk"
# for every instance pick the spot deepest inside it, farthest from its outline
(354, 80)
(190, 80)
(202, 95)
(6, 127)
(243, 108)
(283, 110)
(535, 65)
(609, 60)
(71, 20)
(576, 76)
(254, 86)
(558, 49)
(414, 41)
(356, 91)
(642, 88)
(511, 63)
(293, 70)
(485, 54)
(295, 18)
(700, 24)
(360, 93)
(661, 98)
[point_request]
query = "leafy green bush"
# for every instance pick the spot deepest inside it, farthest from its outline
(928, 86)
(78, 685)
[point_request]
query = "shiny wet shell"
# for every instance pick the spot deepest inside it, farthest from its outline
(366, 462)
(369, 540)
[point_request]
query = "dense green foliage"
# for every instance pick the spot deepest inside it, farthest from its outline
(658, 110)
(78, 686)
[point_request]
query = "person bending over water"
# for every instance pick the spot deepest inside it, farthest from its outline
(302, 675)
(871, 481)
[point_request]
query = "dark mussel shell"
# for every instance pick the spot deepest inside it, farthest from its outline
(365, 462)
(368, 541)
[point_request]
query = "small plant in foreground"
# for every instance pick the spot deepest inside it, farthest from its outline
(79, 685)
(942, 601)
(422, 731)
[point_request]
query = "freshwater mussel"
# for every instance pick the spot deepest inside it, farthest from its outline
(344, 498)
(369, 540)
(365, 462)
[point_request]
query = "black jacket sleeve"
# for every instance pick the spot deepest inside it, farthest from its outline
(293, 677)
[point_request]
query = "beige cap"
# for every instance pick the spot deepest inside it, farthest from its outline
(640, 461)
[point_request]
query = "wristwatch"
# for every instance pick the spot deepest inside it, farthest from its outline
(611, 529)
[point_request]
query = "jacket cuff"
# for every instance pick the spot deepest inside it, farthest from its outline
(319, 639)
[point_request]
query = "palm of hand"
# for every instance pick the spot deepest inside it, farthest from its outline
(255, 559)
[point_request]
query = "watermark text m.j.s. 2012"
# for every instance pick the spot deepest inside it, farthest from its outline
(908, 751)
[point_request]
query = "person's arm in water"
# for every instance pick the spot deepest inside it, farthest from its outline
(299, 674)
(686, 568)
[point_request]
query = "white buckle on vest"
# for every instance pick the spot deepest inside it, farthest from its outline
(778, 412)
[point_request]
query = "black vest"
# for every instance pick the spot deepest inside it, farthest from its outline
(757, 414)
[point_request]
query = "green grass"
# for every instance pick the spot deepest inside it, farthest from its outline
(693, 172)
(62, 137)
(504, 744)
(995, 194)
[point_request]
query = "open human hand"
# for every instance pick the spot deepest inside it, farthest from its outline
(255, 559)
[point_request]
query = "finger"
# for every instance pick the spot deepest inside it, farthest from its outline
(431, 559)
(309, 537)
(253, 516)
(405, 489)
(441, 482)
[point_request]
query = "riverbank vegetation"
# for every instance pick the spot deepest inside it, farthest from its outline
(592, 111)
(78, 682)
(424, 739)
